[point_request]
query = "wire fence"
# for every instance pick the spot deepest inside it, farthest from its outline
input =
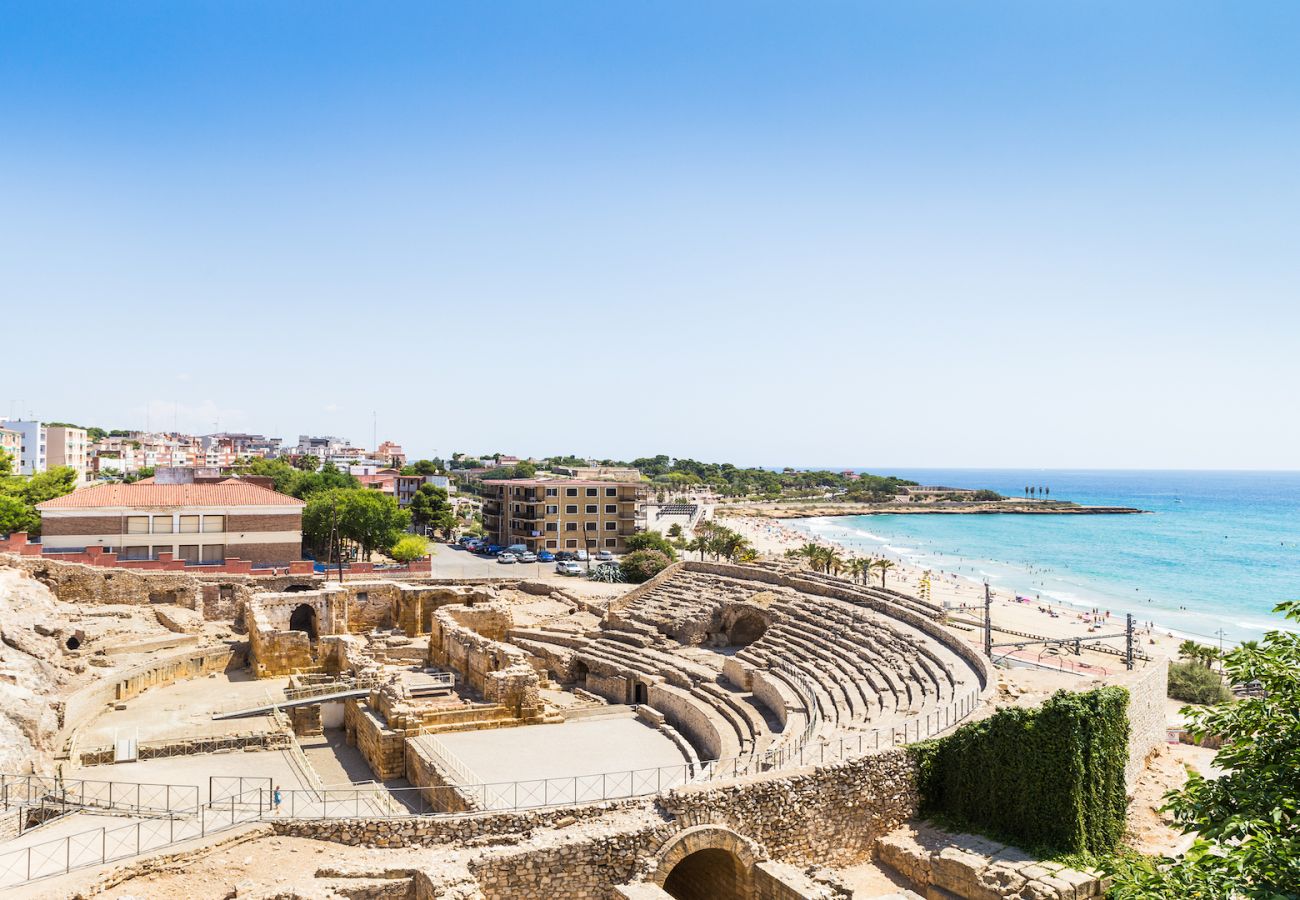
(109, 796)
(97, 846)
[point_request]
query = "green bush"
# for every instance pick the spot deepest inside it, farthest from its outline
(643, 565)
(1049, 778)
(409, 548)
(1192, 682)
(651, 540)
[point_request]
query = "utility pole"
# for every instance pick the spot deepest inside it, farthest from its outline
(1128, 643)
(988, 622)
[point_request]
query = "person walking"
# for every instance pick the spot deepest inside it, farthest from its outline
(275, 799)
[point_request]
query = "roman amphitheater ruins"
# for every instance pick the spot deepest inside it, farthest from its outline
(720, 731)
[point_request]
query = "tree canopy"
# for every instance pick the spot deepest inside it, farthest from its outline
(431, 508)
(19, 496)
(367, 518)
(1247, 819)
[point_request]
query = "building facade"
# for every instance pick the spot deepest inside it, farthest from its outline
(11, 444)
(563, 514)
(198, 523)
(68, 446)
(31, 445)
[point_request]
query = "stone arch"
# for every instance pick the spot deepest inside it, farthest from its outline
(707, 862)
(580, 671)
(303, 618)
(640, 693)
(747, 628)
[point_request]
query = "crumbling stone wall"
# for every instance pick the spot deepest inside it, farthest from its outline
(1147, 691)
(500, 672)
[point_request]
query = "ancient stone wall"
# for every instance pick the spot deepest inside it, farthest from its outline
(1147, 699)
(500, 672)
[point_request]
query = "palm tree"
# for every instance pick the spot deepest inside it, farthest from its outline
(700, 544)
(883, 565)
(860, 568)
(809, 552)
(1190, 651)
(833, 562)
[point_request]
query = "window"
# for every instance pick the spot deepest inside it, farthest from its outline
(611, 542)
(134, 553)
(137, 525)
(570, 492)
(611, 526)
(214, 523)
(155, 552)
(551, 545)
(214, 553)
(552, 492)
(571, 509)
(189, 524)
(570, 526)
(611, 509)
(189, 553)
(552, 526)
(591, 526)
(591, 509)
(162, 524)
(570, 543)
(611, 492)
(592, 492)
(552, 510)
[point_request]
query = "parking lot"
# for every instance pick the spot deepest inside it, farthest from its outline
(451, 563)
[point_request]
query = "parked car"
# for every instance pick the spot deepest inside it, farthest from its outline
(545, 556)
(564, 556)
(580, 555)
(516, 549)
(493, 549)
(505, 557)
(605, 556)
(568, 567)
(526, 556)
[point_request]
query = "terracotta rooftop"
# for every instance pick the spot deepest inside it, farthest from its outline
(140, 495)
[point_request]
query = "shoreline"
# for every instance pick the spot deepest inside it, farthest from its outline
(1050, 618)
(830, 510)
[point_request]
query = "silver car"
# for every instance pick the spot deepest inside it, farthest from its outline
(568, 567)
(526, 556)
(505, 557)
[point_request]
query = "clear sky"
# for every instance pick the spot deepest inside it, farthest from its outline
(852, 233)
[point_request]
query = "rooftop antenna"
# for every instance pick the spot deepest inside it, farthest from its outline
(374, 429)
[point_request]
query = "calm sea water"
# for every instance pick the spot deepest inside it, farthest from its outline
(1217, 552)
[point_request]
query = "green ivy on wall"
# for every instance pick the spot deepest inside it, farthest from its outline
(1051, 777)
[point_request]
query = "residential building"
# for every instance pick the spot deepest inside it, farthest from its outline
(602, 473)
(398, 486)
(11, 444)
(194, 522)
(391, 453)
(239, 444)
(31, 445)
(68, 446)
(324, 447)
(563, 514)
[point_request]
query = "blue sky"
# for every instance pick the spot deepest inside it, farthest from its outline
(908, 234)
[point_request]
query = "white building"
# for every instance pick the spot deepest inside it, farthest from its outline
(32, 449)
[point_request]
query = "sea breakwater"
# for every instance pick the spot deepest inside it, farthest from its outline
(810, 510)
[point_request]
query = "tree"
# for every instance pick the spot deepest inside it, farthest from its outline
(365, 517)
(1247, 818)
(882, 566)
(1193, 683)
(430, 508)
(525, 469)
(675, 530)
(651, 540)
(306, 463)
(16, 515)
(642, 565)
(6, 463)
(422, 467)
(409, 548)
(860, 568)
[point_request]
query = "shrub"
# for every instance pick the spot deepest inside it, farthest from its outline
(409, 548)
(1191, 682)
(1050, 778)
(652, 540)
(642, 565)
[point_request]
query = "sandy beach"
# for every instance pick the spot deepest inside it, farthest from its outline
(773, 538)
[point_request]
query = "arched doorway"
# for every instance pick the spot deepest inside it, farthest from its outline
(580, 672)
(746, 629)
(303, 618)
(640, 694)
(711, 874)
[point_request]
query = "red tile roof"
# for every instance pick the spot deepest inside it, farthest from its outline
(140, 495)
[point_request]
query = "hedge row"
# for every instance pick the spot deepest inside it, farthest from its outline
(1051, 777)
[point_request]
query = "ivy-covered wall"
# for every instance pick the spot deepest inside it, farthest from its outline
(1051, 777)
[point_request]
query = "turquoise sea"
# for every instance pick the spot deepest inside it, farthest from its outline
(1216, 553)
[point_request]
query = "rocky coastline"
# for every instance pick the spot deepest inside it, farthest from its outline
(787, 510)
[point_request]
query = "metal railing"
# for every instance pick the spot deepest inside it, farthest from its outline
(97, 846)
(108, 796)
(452, 764)
(537, 793)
